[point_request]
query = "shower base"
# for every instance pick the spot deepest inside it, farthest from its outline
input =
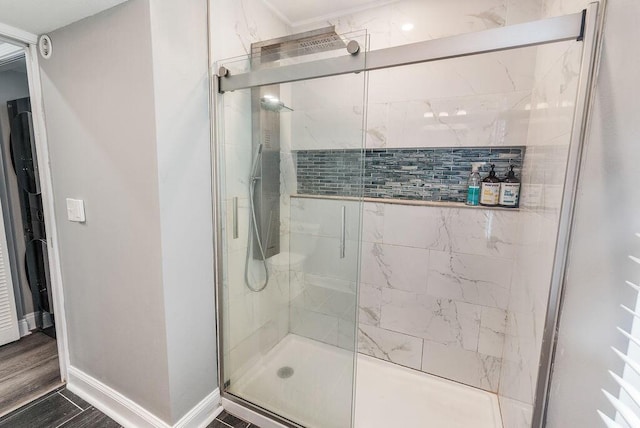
(386, 394)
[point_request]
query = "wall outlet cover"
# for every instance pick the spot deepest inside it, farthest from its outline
(75, 210)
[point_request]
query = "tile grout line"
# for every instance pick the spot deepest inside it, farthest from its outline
(70, 419)
(70, 401)
(223, 422)
(27, 406)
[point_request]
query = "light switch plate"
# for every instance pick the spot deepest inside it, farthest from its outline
(75, 210)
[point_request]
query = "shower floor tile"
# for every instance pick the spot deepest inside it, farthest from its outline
(387, 395)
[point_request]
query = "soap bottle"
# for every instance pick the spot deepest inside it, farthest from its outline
(510, 190)
(473, 191)
(490, 189)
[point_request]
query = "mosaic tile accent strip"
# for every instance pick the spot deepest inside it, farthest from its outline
(427, 174)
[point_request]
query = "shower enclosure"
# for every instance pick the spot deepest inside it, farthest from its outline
(341, 171)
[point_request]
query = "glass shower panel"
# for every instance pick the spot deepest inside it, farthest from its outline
(290, 263)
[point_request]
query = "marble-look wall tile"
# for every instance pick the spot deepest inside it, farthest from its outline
(440, 320)
(413, 226)
(515, 414)
(369, 304)
(373, 221)
(519, 11)
(238, 23)
(492, 332)
(314, 325)
(471, 368)
(468, 121)
(479, 280)
(392, 266)
(390, 346)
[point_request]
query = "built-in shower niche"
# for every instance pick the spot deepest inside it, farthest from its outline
(420, 174)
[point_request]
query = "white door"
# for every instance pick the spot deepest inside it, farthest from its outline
(9, 331)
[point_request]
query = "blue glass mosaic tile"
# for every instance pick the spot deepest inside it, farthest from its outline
(427, 174)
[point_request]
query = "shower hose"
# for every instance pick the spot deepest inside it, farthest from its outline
(253, 228)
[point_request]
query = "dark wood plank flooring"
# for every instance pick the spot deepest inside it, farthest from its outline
(29, 368)
(60, 408)
(227, 420)
(63, 409)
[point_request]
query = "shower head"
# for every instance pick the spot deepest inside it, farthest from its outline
(273, 104)
(307, 43)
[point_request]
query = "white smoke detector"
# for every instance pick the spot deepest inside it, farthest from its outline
(45, 46)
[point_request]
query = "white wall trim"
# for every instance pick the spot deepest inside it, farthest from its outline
(30, 41)
(23, 327)
(110, 402)
(130, 414)
(203, 413)
(28, 322)
(13, 33)
(46, 185)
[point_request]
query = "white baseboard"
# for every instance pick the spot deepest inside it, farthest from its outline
(28, 322)
(130, 414)
(23, 327)
(203, 413)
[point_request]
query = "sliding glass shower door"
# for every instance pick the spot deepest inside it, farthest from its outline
(290, 263)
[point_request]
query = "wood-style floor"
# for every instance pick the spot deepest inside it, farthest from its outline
(58, 409)
(63, 409)
(29, 369)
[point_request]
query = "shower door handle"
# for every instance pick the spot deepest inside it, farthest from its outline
(343, 231)
(235, 218)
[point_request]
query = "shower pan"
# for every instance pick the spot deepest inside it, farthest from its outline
(300, 233)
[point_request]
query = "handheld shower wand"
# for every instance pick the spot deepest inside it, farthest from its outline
(253, 226)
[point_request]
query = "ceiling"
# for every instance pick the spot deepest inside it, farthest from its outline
(40, 16)
(299, 12)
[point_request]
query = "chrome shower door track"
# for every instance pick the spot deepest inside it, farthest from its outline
(551, 30)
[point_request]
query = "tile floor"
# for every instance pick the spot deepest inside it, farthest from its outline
(63, 409)
(60, 408)
(227, 420)
(29, 368)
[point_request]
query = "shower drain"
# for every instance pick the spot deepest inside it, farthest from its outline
(285, 372)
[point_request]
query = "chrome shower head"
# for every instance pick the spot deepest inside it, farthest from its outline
(271, 103)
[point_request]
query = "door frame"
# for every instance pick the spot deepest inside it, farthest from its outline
(29, 42)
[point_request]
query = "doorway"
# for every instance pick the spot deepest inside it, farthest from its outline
(29, 362)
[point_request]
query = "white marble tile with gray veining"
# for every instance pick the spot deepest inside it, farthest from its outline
(390, 346)
(470, 278)
(396, 267)
(468, 367)
(440, 320)
(369, 304)
(373, 217)
(492, 332)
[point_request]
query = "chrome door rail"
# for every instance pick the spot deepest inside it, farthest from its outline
(550, 30)
(592, 42)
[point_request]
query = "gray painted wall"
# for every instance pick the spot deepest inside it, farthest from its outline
(13, 85)
(99, 110)
(180, 75)
(605, 223)
(126, 106)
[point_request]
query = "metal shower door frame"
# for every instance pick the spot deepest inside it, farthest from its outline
(585, 26)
